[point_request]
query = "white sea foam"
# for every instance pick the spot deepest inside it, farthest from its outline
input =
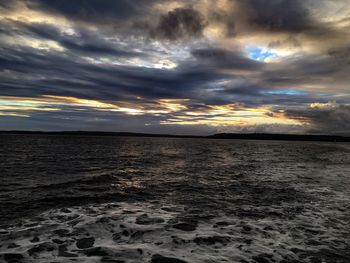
(135, 232)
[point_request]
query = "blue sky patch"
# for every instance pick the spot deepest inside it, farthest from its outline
(286, 92)
(260, 54)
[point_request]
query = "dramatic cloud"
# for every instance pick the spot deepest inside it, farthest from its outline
(93, 11)
(279, 15)
(342, 55)
(175, 66)
(323, 118)
(179, 23)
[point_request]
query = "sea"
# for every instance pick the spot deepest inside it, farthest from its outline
(173, 200)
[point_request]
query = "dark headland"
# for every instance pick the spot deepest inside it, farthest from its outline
(237, 136)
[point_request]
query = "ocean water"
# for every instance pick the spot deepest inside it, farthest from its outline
(120, 199)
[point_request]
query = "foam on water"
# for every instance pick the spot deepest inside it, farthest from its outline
(141, 232)
(173, 200)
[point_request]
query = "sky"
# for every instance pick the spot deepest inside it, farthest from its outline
(176, 66)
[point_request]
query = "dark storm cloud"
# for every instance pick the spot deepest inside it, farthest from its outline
(68, 74)
(7, 5)
(179, 23)
(277, 15)
(290, 41)
(342, 55)
(224, 59)
(207, 50)
(91, 48)
(53, 74)
(330, 119)
(124, 15)
(83, 41)
(255, 95)
(93, 11)
(303, 70)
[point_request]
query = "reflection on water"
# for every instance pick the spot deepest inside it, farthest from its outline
(194, 199)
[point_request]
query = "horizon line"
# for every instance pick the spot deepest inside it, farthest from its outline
(247, 136)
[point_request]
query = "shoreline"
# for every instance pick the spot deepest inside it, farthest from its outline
(231, 136)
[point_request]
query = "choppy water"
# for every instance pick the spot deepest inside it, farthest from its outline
(110, 199)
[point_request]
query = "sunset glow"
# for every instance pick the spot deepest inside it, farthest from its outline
(175, 66)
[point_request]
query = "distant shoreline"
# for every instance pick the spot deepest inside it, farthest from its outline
(236, 136)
